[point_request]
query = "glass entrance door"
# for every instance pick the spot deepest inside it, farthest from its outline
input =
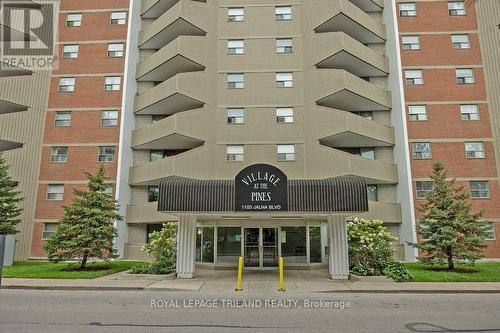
(252, 247)
(261, 247)
(270, 247)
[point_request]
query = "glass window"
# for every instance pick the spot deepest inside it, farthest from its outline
(365, 114)
(284, 45)
(411, 42)
(460, 41)
(421, 150)
(456, 8)
(153, 192)
(106, 154)
(283, 13)
(48, 230)
(70, 51)
(115, 50)
(414, 76)
(74, 20)
(490, 231)
(407, 9)
(284, 80)
(118, 18)
(62, 119)
(235, 116)
(465, 76)
(479, 189)
(67, 84)
(367, 152)
(474, 150)
(109, 118)
(157, 117)
(372, 190)
(112, 83)
(423, 188)
(236, 81)
(417, 112)
(236, 14)
(150, 228)
(284, 115)
(228, 244)
(469, 112)
(156, 155)
(286, 152)
(236, 46)
(293, 244)
(59, 154)
(205, 244)
(315, 244)
(235, 152)
(55, 192)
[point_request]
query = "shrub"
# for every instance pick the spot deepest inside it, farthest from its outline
(398, 272)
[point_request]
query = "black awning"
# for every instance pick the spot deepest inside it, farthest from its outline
(338, 194)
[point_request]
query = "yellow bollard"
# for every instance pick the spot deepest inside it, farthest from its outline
(240, 273)
(282, 282)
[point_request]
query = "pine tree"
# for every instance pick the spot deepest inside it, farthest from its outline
(10, 210)
(447, 228)
(86, 230)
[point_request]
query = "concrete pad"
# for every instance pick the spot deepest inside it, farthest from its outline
(265, 286)
(177, 285)
(445, 286)
(75, 284)
(331, 286)
(372, 286)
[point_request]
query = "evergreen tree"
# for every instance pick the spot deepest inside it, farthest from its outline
(86, 230)
(447, 229)
(10, 210)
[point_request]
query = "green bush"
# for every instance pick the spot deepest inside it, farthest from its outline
(163, 248)
(398, 272)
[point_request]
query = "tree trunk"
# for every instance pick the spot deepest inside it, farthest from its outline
(451, 264)
(84, 261)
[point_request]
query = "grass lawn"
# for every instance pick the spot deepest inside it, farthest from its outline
(480, 272)
(48, 270)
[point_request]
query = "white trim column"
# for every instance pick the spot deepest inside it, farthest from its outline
(186, 246)
(338, 265)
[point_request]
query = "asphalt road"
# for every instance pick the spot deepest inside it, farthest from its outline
(137, 311)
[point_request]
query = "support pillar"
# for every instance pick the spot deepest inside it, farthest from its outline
(338, 265)
(186, 246)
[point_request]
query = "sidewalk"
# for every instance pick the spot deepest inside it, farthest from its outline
(212, 281)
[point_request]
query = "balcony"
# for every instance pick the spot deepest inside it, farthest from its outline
(387, 212)
(12, 35)
(147, 213)
(9, 107)
(186, 18)
(337, 50)
(7, 70)
(181, 56)
(155, 8)
(369, 6)
(9, 145)
(23, 4)
(185, 91)
(342, 90)
(344, 16)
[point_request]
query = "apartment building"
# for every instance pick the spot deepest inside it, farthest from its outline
(449, 56)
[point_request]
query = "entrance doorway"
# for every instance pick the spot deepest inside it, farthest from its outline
(261, 248)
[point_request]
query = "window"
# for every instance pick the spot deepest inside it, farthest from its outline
(59, 154)
(365, 114)
(284, 80)
(490, 231)
(115, 50)
(417, 112)
(423, 188)
(48, 230)
(109, 118)
(465, 76)
(153, 193)
(235, 14)
(284, 45)
(372, 190)
(469, 112)
(106, 154)
(460, 41)
(407, 9)
(235, 116)
(283, 13)
(55, 191)
(235, 152)
(67, 84)
(62, 119)
(366, 152)
(156, 155)
(474, 150)
(236, 81)
(112, 83)
(414, 76)
(236, 46)
(228, 244)
(205, 244)
(421, 150)
(286, 152)
(157, 117)
(284, 115)
(456, 8)
(118, 18)
(479, 189)
(74, 20)
(70, 51)
(411, 42)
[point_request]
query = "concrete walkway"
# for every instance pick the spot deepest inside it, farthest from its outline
(213, 281)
